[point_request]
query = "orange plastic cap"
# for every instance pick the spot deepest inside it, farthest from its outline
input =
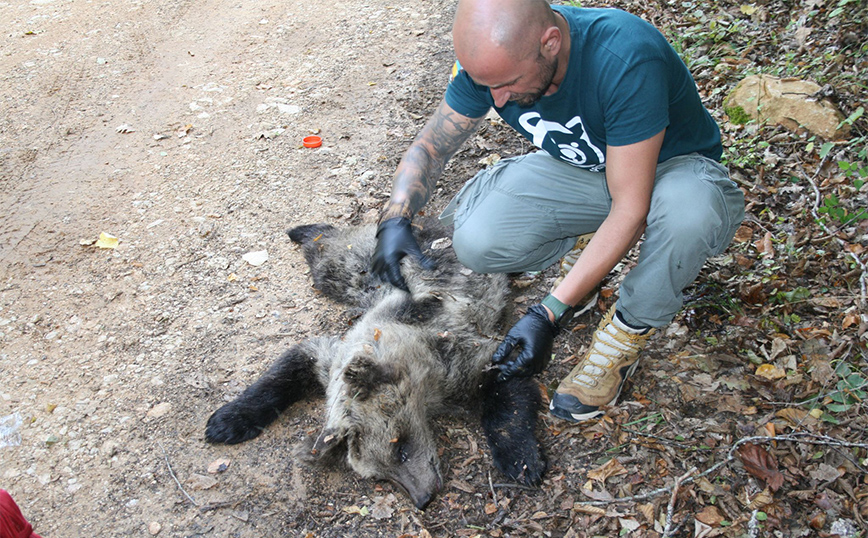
(312, 141)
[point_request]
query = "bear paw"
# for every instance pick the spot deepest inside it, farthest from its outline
(231, 425)
(526, 465)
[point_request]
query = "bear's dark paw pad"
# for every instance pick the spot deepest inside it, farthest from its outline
(527, 469)
(230, 425)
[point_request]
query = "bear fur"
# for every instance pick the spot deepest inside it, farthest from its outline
(406, 359)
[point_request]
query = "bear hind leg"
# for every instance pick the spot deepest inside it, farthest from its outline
(509, 416)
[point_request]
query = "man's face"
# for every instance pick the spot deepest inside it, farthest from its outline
(544, 76)
(523, 82)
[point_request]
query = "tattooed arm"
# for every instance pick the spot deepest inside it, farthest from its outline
(421, 166)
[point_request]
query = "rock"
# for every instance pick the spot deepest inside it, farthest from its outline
(256, 258)
(154, 528)
(787, 102)
(160, 410)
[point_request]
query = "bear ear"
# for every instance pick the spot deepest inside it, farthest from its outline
(328, 448)
(364, 376)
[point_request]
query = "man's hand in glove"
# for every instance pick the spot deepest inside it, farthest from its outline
(394, 241)
(534, 334)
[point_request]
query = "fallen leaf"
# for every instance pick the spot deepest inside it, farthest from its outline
(588, 509)
(825, 473)
(826, 302)
(106, 241)
(647, 511)
(383, 507)
(743, 234)
(218, 466)
(700, 529)
(490, 160)
(760, 464)
(200, 481)
(462, 485)
(796, 417)
(629, 524)
(490, 508)
(765, 247)
(770, 372)
(609, 469)
(761, 500)
(710, 515)
(363, 511)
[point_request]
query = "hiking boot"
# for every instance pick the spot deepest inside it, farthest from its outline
(599, 377)
(566, 264)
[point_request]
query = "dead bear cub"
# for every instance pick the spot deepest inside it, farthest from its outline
(408, 357)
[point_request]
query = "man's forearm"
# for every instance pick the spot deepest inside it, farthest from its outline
(610, 243)
(414, 181)
(422, 165)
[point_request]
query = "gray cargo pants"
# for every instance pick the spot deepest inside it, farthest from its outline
(525, 213)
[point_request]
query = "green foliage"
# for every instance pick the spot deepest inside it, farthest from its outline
(797, 295)
(842, 7)
(857, 171)
(745, 152)
(737, 115)
(839, 214)
(851, 391)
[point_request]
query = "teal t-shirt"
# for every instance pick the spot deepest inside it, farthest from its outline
(624, 84)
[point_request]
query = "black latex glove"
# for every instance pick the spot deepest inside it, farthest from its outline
(534, 334)
(394, 241)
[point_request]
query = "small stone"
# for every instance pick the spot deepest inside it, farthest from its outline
(160, 410)
(288, 109)
(256, 258)
(154, 528)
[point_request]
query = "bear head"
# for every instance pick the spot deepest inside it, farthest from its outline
(380, 424)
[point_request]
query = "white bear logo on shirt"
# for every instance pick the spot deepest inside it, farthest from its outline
(573, 151)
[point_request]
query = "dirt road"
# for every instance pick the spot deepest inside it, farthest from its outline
(176, 127)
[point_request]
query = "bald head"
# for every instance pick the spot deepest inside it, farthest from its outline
(492, 28)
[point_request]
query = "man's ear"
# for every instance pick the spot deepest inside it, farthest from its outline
(551, 40)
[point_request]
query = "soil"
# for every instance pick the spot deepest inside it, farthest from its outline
(176, 127)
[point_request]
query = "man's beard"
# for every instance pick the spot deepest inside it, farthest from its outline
(547, 75)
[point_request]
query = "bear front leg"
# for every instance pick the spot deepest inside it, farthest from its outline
(509, 415)
(292, 377)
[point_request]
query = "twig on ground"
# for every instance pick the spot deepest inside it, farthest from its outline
(670, 511)
(863, 278)
(809, 438)
(491, 485)
(171, 472)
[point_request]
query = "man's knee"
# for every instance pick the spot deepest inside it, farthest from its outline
(477, 249)
(695, 218)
